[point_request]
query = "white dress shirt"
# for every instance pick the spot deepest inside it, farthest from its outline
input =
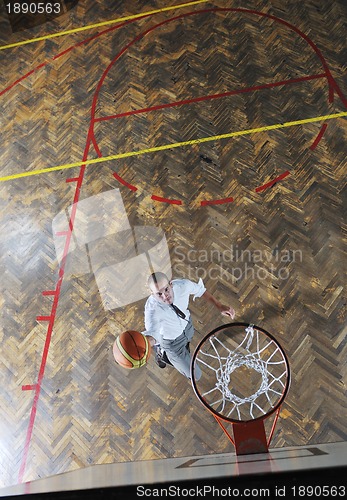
(161, 321)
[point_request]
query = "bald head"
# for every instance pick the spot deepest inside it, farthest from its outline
(161, 287)
(156, 278)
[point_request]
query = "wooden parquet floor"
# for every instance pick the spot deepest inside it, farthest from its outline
(259, 216)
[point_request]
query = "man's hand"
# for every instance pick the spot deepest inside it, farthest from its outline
(227, 311)
(151, 340)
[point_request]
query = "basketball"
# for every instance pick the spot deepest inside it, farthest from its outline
(131, 349)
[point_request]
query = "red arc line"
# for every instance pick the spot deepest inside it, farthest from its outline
(125, 183)
(216, 202)
(271, 183)
(166, 200)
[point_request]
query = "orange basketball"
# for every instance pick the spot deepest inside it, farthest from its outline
(131, 349)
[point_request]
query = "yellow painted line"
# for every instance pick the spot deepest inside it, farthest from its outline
(104, 23)
(174, 145)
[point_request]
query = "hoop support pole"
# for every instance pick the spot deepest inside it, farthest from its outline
(224, 429)
(274, 425)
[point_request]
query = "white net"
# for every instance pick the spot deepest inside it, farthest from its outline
(244, 373)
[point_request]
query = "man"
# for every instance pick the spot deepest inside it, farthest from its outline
(168, 322)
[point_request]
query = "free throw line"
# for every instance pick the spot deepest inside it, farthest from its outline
(164, 147)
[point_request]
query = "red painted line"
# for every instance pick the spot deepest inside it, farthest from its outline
(89, 39)
(330, 79)
(331, 94)
(49, 292)
(43, 318)
(166, 200)
(104, 32)
(333, 87)
(62, 233)
(115, 175)
(132, 42)
(22, 78)
(29, 387)
(96, 145)
(212, 96)
(319, 136)
(52, 321)
(65, 52)
(125, 183)
(216, 202)
(339, 93)
(331, 82)
(271, 183)
(73, 179)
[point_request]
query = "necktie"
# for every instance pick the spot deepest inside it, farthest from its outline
(178, 311)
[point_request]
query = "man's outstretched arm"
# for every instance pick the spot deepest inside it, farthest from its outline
(152, 331)
(225, 310)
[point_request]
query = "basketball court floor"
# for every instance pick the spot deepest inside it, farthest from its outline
(207, 139)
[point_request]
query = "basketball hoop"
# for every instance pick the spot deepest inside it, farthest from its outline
(245, 379)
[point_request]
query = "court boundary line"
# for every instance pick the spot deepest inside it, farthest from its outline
(164, 147)
(101, 24)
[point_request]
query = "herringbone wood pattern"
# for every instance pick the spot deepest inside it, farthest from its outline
(286, 272)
